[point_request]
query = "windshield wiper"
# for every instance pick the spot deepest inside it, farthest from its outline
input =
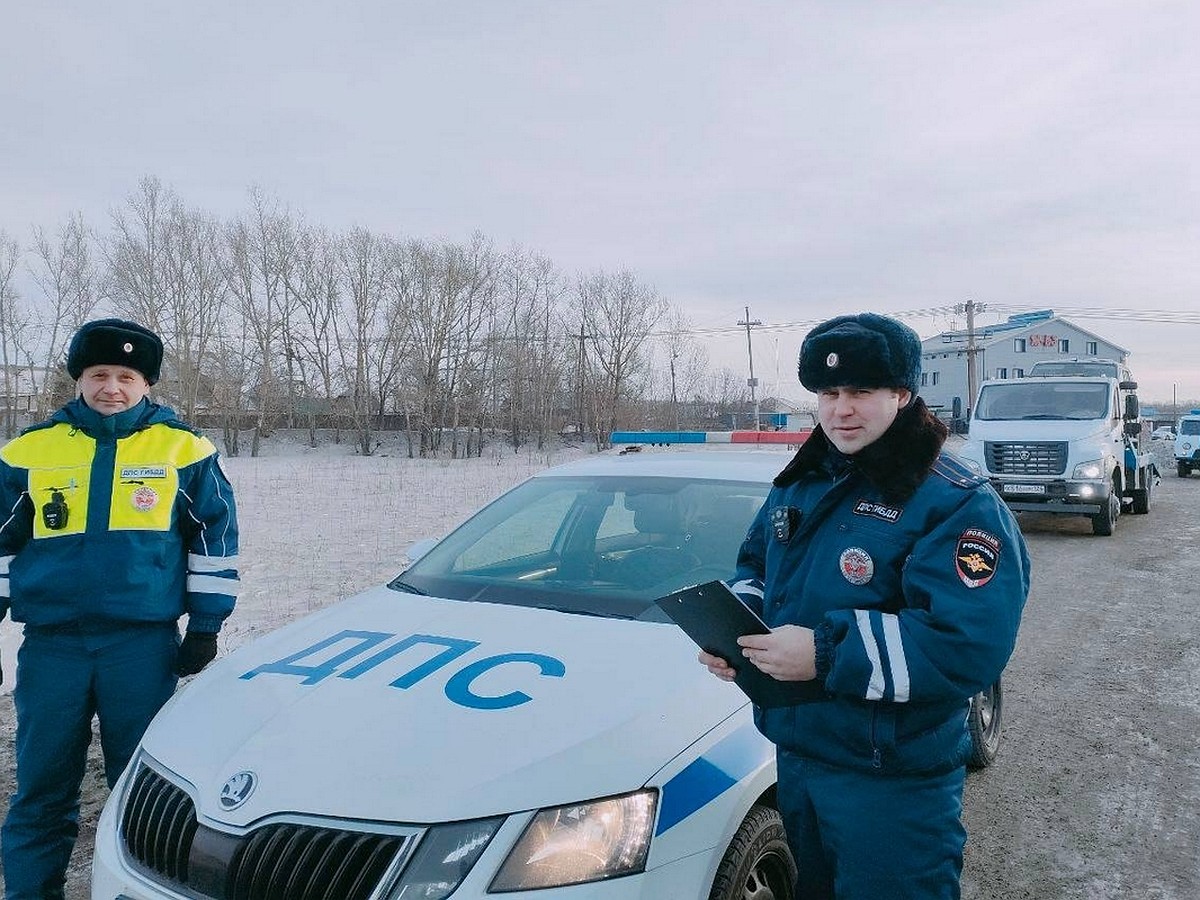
(399, 585)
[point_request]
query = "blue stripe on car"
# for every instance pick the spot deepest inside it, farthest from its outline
(704, 779)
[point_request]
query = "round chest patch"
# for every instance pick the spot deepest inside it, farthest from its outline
(856, 565)
(145, 498)
(831, 361)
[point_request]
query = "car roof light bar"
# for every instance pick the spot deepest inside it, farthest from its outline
(710, 437)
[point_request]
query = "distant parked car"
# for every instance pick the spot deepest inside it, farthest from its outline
(1162, 434)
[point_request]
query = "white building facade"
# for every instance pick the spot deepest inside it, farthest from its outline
(1003, 350)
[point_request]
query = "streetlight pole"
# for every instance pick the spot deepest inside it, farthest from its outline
(752, 381)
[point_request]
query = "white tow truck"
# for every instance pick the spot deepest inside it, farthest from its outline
(1067, 444)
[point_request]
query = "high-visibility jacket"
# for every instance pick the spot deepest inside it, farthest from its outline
(116, 519)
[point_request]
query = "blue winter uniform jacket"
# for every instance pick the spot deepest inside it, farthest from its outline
(913, 574)
(116, 519)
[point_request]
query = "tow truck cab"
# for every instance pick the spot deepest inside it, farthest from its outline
(1067, 444)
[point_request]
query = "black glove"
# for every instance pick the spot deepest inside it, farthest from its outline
(197, 651)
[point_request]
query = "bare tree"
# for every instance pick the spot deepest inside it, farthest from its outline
(67, 277)
(315, 290)
(257, 255)
(134, 254)
(361, 334)
(617, 314)
(14, 327)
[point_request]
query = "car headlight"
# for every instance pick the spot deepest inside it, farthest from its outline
(1093, 468)
(443, 859)
(581, 842)
(1186, 446)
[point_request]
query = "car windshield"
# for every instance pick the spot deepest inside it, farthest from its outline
(601, 545)
(1189, 426)
(1043, 400)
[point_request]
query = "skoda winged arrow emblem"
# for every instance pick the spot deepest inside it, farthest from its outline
(237, 790)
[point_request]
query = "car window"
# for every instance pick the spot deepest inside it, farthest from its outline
(600, 545)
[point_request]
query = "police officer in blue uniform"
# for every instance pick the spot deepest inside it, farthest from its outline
(117, 521)
(893, 579)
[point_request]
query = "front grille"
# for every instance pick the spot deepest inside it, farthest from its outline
(280, 862)
(1040, 458)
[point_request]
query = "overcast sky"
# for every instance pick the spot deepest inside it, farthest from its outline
(803, 159)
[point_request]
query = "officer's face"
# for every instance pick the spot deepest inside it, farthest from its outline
(852, 418)
(112, 389)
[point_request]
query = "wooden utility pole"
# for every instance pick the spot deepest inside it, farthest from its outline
(970, 308)
(752, 381)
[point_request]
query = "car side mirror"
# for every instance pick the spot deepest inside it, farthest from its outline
(1133, 429)
(1129, 385)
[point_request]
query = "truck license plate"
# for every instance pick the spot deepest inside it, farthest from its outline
(1024, 489)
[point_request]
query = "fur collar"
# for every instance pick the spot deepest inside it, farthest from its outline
(896, 464)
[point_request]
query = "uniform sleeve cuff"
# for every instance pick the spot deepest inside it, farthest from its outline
(822, 651)
(204, 624)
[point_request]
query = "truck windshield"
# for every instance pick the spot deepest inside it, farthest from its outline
(1189, 426)
(1043, 400)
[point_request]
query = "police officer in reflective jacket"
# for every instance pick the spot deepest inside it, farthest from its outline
(116, 521)
(893, 579)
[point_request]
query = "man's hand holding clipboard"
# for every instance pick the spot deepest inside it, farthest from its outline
(773, 668)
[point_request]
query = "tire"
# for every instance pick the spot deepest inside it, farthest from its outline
(758, 864)
(984, 722)
(1105, 521)
(1183, 470)
(1141, 499)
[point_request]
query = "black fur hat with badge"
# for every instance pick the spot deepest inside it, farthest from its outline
(864, 351)
(115, 342)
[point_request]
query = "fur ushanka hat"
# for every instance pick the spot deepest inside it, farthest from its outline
(864, 351)
(115, 342)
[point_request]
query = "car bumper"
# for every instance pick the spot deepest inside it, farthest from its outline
(116, 877)
(1074, 497)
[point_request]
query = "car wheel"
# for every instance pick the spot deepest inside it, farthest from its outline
(1105, 521)
(758, 864)
(983, 722)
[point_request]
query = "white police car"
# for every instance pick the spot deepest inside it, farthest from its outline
(511, 715)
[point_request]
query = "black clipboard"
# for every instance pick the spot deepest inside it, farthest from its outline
(715, 617)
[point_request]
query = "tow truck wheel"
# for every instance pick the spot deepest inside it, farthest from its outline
(758, 864)
(983, 721)
(1183, 469)
(1105, 521)
(1141, 499)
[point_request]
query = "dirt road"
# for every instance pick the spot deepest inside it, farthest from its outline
(1096, 793)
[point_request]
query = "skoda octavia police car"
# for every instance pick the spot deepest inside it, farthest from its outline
(512, 715)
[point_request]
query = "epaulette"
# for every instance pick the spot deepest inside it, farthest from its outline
(955, 471)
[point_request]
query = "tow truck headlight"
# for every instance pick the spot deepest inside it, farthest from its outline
(1091, 469)
(580, 843)
(444, 858)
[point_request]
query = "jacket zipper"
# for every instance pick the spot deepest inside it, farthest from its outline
(876, 754)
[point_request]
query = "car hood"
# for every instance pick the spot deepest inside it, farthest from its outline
(404, 708)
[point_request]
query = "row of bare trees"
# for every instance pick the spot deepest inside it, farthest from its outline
(268, 320)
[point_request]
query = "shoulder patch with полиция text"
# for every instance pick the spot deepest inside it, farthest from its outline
(976, 557)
